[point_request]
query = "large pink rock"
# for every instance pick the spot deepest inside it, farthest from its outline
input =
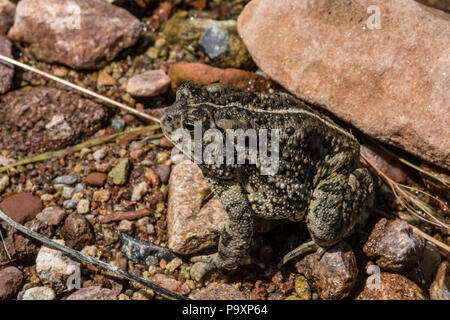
(79, 33)
(392, 83)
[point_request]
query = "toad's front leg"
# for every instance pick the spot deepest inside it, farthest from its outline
(236, 239)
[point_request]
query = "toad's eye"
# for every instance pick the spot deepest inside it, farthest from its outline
(189, 125)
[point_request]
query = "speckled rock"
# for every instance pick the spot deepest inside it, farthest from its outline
(334, 275)
(126, 215)
(218, 291)
(120, 172)
(52, 215)
(40, 119)
(21, 207)
(77, 232)
(391, 287)
(11, 280)
(219, 40)
(93, 293)
(39, 293)
(166, 281)
(54, 268)
(192, 228)
(389, 80)
(394, 246)
(6, 69)
(440, 288)
(79, 33)
(203, 74)
(7, 10)
(148, 84)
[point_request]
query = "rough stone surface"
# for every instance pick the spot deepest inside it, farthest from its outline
(218, 291)
(167, 282)
(11, 280)
(21, 207)
(79, 33)
(391, 287)
(77, 232)
(394, 246)
(93, 293)
(427, 266)
(54, 268)
(7, 9)
(52, 215)
(203, 74)
(126, 215)
(21, 248)
(39, 293)
(120, 172)
(6, 69)
(440, 288)
(96, 179)
(332, 276)
(192, 228)
(392, 83)
(40, 119)
(148, 84)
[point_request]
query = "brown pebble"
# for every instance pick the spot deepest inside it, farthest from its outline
(96, 179)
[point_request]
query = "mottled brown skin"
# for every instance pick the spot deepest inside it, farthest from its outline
(319, 181)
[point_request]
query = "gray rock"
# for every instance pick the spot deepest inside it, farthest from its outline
(67, 192)
(118, 125)
(68, 180)
(70, 204)
(214, 41)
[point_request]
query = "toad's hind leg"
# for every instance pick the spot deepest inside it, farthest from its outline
(235, 241)
(339, 203)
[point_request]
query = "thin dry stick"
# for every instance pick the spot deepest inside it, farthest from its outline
(4, 246)
(78, 147)
(81, 89)
(80, 256)
(396, 188)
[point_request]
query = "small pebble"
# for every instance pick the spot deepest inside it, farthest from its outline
(70, 204)
(39, 293)
(83, 206)
(4, 183)
(99, 154)
(67, 180)
(118, 125)
(67, 192)
(174, 264)
(139, 191)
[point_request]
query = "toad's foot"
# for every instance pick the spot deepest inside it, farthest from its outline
(309, 246)
(210, 262)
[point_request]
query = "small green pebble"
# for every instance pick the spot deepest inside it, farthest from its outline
(302, 288)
